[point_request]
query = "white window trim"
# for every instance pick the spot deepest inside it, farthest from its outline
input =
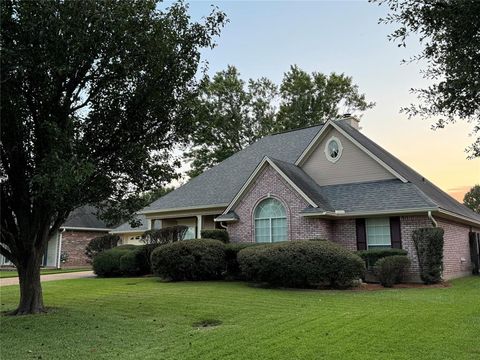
(340, 149)
(270, 237)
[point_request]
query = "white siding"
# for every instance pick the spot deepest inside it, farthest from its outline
(353, 166)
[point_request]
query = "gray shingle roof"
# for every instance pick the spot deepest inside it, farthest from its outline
(127, 227)
(220, 184)
(84, 217)
(435, 194)
(385, 195)
(304, 182)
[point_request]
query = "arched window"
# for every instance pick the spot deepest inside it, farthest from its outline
(270, 221)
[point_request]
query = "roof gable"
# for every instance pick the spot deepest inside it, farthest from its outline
(293, 178)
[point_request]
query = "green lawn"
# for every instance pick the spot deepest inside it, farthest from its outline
(10, 273)
(142, 318)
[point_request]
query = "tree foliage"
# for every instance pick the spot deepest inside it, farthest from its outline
(449, 32)
(93, 97)
(472, 199)
(231, 113)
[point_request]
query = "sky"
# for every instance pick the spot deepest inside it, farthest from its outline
(263, 38)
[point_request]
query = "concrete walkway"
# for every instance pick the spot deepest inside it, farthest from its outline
(51, 277)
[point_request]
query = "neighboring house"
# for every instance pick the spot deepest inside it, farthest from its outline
(71, 239)
(131, 235)
(328, 181)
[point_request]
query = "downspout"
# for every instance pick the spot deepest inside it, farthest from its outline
(432, 219)
(59, 248)
(223, 225)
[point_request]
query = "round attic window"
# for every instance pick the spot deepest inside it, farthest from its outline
(333, 149)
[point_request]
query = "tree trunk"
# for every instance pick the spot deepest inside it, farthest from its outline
(31, 297)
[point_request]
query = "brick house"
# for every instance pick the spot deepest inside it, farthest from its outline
(66, 248)
(328, 181)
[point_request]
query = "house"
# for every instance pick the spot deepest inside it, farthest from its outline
(328, 181)
(132, 235)
(66, 248)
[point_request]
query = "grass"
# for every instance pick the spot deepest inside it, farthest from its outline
(142, 318)
(13, 273)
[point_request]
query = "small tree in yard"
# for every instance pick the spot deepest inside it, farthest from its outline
(93, 99)
(99, 244)
(429, 246)
(164, 236)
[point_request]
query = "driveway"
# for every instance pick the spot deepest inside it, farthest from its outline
(51, 277)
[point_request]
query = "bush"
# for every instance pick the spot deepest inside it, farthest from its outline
(165, 236)
(373, 255)
(200, 259)
(232, 268)
(392, 269)
(216, 234)
(100, 244)
(136, 262)
(301, 264)
(107, 263)
(429, 245)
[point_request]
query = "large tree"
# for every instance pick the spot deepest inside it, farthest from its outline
(92, 100)
(231, 113)
(309, 99)
(472, 199)
(449, 32)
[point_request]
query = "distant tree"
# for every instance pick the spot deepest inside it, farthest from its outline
(449, 31)
(230, 113)
(472, 199)
(115, 212)
(93, 99)
(309, 99)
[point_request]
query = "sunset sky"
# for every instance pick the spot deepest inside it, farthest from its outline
(264, 38)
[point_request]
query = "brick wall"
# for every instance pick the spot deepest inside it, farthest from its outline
(407, 225)
(344, 232)
(270, 183)
(74, 243)
(456, 249)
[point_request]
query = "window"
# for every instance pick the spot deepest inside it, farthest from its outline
(270, 221)
(333, 149)
(378, 233)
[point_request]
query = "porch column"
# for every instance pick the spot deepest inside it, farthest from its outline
(199, 226)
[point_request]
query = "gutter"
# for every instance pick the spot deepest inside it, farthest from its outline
(187, 208)
(432, 219)
(343, 213)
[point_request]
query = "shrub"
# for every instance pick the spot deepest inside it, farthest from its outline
(373, 255)
(107, 263)
(100, 244)
(429, 245)
(200, 259)
(301, 264)
(232, 268)
(165, 236)
(136, 262)
(392, 269)
(216, 234)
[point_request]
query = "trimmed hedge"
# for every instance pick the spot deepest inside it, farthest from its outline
(373, 255)
(107, 263)
(137, 261)
(429, 245)
(199, 259)
(301, 264)
(216, 234)
(392, 269)
(232, 268)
